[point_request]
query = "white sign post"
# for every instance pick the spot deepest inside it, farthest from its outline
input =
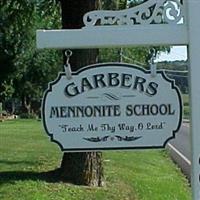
(170, 23)
(194, 54)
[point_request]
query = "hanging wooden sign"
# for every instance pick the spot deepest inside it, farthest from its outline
(111, 106)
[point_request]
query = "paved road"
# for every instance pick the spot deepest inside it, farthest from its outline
(179, 149)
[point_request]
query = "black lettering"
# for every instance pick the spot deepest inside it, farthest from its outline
(145, 109)
(97, 111)
(54, 112)
(137, 110)
(71, 90)
(129, 110)
(139, 83)
(125, 80)
(170, 111)
(85, 85)
(63, 110)
(163, 109)
(99, 81)
(113, 79)
(117, 111)
(109, 107)
(71, 111)
(152, 89)
(154, 109)
(88, 111)
(80, 111)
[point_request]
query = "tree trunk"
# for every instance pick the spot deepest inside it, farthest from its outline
(26, 105)
(80, 168)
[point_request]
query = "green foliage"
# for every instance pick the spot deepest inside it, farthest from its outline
(1, 108)
(186, 112)
(173, 65)
(113, 4)
(37, 69)
(27, 116)
(15, 22)
(26, 71)
(137, 55)
(132, 3)
(48, 14)
(186, 106)
(8, 89)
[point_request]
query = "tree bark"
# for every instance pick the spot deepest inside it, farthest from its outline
(26, 105)
(80, 168)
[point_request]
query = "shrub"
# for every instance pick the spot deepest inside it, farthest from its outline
(27, 116)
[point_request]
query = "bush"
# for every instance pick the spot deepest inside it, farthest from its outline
(186, 112)
(1, 107)
(27, 116)
(4, 113)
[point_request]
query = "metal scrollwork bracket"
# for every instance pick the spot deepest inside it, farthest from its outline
(150, 12)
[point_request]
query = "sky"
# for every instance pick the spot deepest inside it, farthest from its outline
(177, 53)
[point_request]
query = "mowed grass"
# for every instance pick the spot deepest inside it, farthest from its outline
(26, 154)
(186, 106)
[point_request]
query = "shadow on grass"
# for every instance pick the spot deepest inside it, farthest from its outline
(13, 176)
(9, 162)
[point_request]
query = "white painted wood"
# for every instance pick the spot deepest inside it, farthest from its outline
(101, 37)
(166, 11)
(194, 55)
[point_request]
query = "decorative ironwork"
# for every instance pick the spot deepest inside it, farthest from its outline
(150, 12)
(111, 96)
(127, 138)
(97, 139)
(112, 138)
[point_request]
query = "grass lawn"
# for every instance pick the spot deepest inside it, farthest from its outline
(26, 154)
(185, 98)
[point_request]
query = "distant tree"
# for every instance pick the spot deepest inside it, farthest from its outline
(132, 3)
(14, 32)
(26, 71)
(113, 4)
